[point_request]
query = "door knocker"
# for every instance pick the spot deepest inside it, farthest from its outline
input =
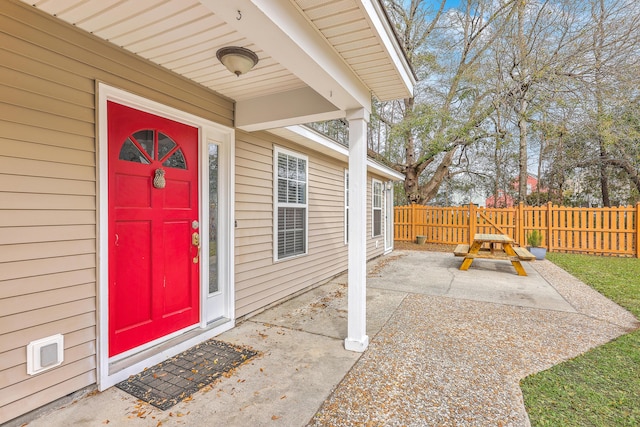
(158, 180)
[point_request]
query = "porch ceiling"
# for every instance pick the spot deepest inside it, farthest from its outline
(318, 58)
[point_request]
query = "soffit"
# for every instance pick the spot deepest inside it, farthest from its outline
(184, 35)
(352, 32)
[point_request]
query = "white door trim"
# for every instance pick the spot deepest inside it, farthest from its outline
(226, 199)
(208, 131)
(388, 217)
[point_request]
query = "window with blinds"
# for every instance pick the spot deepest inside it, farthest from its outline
(291, 203)
(377, 208)
(346, 206)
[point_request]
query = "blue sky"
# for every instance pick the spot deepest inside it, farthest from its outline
(452, 3)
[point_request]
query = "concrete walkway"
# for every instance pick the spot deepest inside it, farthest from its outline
(447, 348)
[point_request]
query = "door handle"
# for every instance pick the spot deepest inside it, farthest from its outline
(195, 241)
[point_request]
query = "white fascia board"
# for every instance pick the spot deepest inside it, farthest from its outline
(325, 145)
(316, 141)
(384, 171)
(388, 39)
(283, 109)
(285, 35)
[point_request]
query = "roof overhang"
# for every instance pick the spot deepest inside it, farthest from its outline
(317, 58)
(313, 140)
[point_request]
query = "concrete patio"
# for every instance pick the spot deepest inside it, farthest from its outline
(448, 347)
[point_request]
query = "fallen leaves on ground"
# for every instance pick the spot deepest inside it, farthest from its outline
(375, 271)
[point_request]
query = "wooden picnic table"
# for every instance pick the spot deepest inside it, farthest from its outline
(493, 246)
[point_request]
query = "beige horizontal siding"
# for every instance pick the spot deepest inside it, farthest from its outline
(48, 76)
(64, 326)
(24, 389)
(35, 132)
(30, 392)
(22, 115)
(45, 69)
(42, 300)
(60, 109)
(46, 201)
(42, 395)
(279, 284)
(41, 85)
(40, 267)
(20, 235)
(26, 218)
(44, 250)
(21, 149)
(245, 199)
(40, 168)
(28, 319)
(259, 280)
(18, 373)
(17, 358)
(248, 224)
(35, 284)
(45, 185)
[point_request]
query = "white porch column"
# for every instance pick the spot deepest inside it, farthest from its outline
(357, 339)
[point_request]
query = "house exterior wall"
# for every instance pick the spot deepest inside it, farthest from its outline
(48, 77)
(259, 280)
(48, 199)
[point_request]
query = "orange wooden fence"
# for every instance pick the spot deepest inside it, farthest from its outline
(602, 231)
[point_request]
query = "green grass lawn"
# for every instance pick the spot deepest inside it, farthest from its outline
(601, 387)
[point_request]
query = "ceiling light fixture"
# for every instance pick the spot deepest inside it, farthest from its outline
(238, 60)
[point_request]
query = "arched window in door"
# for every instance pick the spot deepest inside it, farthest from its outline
(147, 146)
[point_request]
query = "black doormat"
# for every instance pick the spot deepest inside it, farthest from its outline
(175, 379)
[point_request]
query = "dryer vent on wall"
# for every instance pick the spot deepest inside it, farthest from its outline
(45, 353)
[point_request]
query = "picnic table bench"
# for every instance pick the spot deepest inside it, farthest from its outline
(493, 246)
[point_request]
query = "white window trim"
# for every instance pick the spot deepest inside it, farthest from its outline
(276, 204)
(346, 206)
(374, 208)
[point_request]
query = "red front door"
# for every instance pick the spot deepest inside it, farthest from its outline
(153, 227)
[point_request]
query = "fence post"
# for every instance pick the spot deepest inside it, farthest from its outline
(519, 233)
(472, 222)
(413, 222)
(549, 228)
(637, 230)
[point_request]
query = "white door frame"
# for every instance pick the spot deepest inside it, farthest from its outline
(388, 216)
(225, 303)
(208, 132)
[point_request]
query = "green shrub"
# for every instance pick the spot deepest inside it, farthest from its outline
(534, 239)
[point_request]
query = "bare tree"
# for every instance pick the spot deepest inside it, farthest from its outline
(452, 103)
(600, 132)
(495, 78)
(615, 41)
(542, 48)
